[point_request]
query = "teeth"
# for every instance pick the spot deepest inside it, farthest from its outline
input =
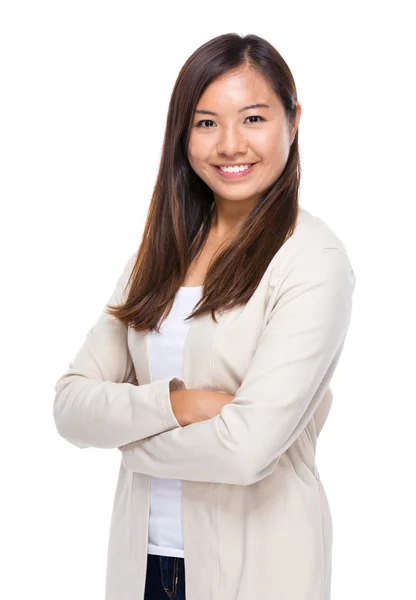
(235, 169)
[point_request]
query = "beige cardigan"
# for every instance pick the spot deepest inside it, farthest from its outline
(256, 519)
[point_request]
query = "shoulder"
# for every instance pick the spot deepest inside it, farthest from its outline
(124, 281)
(313, 232)
(313, 244)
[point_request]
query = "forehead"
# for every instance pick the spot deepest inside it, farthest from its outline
(236, 88)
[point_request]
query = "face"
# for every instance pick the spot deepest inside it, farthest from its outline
(225, 133)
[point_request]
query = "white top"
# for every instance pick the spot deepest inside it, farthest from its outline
(166, 354)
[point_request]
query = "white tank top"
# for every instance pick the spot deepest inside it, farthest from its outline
(166, 358)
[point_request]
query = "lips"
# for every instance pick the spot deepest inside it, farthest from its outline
(232, 174)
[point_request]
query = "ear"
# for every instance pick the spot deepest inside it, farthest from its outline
(296, 123)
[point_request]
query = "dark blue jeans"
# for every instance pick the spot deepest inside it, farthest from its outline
(165, 578)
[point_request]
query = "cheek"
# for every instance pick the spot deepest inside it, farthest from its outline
(271, 144)
(192, 149)
(199, 157)
(197, 149)
(196, 159)
(275, 151)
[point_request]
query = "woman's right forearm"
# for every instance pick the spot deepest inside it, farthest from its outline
(193, 406)
(180, 406)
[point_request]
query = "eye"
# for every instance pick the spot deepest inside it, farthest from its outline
(199, 123)
(204, 121)
(256, 117)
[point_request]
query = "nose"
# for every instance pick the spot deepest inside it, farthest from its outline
(231, 141)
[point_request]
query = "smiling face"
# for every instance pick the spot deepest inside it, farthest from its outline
(225, 133)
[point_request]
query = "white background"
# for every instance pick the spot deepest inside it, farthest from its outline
(85, 87)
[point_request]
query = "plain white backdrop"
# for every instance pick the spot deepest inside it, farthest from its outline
(85, 87)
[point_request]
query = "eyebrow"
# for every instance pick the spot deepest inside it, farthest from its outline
(214, 114)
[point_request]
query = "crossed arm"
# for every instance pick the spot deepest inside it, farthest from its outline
(288, 376)
(97, 403)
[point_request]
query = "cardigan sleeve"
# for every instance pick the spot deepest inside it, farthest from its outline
(288, 375)
(96, 401)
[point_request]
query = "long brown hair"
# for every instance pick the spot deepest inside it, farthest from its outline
(179, 216)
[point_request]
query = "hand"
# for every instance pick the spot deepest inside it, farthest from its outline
(193, 406)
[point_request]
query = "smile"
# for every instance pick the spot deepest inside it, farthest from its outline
(232, 174)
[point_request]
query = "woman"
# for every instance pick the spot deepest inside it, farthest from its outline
(210, 366)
